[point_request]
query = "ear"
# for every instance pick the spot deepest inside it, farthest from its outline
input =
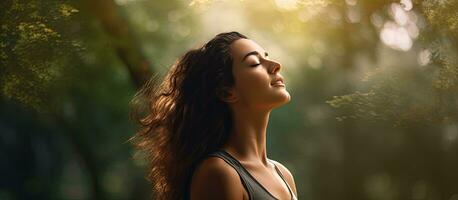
(228, 95)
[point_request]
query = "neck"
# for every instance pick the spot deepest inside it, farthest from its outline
(248, 138)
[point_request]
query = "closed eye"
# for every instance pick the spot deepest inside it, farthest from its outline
(254, 65)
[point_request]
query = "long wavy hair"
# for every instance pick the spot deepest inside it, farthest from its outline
(182, 118)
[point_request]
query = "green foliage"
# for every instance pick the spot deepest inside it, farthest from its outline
(33, 37)
(400, 95)
(63, 67)
(414, 94)
(64, 57)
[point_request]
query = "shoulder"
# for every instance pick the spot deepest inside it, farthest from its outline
(287, 174)
(215, 179)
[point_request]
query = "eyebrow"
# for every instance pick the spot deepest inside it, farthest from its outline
(253, 53)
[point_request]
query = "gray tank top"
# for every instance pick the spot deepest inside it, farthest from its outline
(255, 190)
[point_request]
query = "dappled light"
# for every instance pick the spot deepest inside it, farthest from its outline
(373, 83)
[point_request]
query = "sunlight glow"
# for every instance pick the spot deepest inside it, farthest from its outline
(278, 27)
(400, 33)
(407, 4)
(286, 4)
(377, 20)
(196, 2)
(395, 36)
(309, 11)
(351, 2)
(424, 57)
(413, 31)
(398, 14)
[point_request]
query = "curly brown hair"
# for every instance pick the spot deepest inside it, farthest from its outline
(183, 118)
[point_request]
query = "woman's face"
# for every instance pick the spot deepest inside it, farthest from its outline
(258, 82)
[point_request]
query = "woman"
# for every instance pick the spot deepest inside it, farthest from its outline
(204, 130)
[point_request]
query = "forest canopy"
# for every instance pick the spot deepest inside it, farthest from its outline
(374, 87)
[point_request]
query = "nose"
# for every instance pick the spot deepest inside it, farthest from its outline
(275, 67)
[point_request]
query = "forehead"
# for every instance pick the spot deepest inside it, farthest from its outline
(241, 47)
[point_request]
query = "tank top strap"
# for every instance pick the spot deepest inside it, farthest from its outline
(284, 180)
(238, 168)
(255, 190)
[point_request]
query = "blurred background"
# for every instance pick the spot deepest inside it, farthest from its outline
(374, 86)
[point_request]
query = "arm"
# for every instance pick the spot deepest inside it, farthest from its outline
(288, 176)
(214, 179)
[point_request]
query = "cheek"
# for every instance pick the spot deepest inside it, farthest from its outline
(252, 81)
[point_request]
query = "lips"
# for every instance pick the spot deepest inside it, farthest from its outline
(278, 82)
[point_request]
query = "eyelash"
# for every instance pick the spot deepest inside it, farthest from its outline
(254, 65)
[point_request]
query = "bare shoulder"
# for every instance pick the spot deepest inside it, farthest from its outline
(215, 179)
(287, 174)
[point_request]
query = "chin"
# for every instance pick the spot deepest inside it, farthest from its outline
(283, 99)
